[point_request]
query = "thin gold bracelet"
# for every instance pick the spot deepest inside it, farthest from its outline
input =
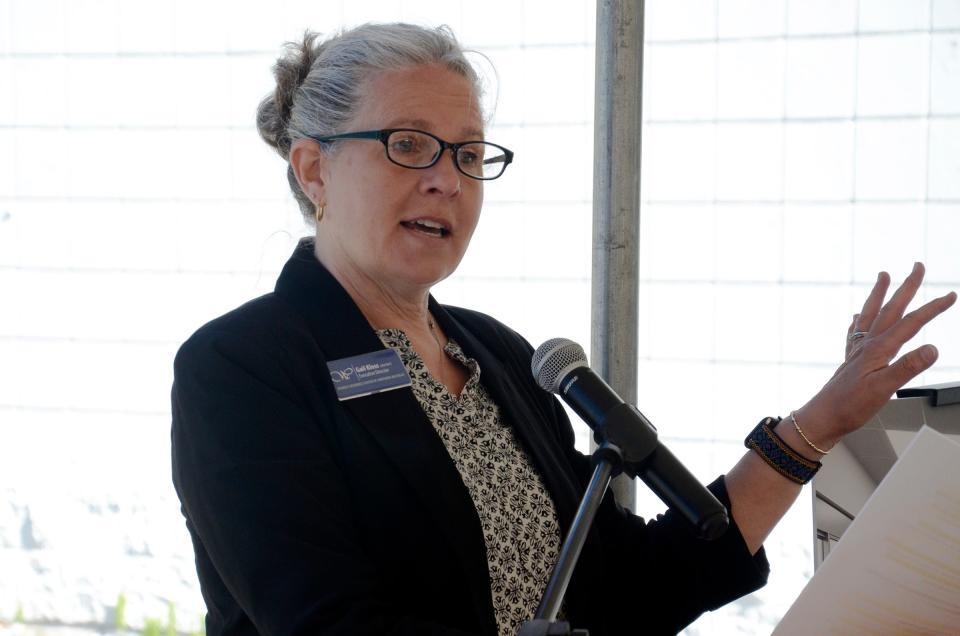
(793, 416)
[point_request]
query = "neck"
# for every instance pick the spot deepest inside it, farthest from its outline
(383, 305)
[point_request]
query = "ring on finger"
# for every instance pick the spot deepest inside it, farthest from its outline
(856, 335)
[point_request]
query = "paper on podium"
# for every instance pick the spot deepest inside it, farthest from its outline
(896, 570)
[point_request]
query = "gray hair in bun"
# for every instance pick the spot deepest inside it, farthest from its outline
(318, 82)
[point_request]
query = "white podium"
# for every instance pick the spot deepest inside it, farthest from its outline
(855, 467)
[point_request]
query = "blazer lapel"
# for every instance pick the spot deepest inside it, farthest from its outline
(393, 419)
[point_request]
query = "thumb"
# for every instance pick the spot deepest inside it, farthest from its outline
(911, 364)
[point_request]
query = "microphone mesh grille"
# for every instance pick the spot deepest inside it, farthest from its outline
(554, 359)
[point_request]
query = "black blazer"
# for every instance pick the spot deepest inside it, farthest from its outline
(314, 516)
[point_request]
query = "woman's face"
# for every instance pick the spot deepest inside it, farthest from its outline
(372, 206)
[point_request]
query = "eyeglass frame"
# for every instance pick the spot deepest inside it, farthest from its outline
(383, 135)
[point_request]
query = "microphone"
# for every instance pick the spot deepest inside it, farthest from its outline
(560, 366)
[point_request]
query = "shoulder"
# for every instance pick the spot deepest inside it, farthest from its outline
(493, 332)
(260, 328)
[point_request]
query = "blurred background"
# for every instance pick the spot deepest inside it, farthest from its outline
(791, 150)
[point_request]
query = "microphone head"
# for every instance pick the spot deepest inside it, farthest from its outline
(554, 359)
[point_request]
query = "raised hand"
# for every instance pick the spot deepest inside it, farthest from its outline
(871, 372)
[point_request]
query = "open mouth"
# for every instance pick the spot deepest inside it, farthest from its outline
(424, 226)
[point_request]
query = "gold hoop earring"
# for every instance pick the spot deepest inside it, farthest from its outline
(318, 215)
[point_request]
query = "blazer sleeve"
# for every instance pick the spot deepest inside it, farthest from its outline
(265, 502)
(665, 574)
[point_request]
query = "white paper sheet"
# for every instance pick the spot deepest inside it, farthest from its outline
(896, 570)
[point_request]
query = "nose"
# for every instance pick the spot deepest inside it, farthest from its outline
(441, 178)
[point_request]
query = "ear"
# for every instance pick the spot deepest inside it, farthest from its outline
(309, 162)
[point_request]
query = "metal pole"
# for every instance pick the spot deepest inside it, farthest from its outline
(616, 203)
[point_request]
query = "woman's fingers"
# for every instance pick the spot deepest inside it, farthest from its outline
(864, 321)
(909, 366)
(872, 373)
(893, 310)
(911, 324)
(850, 330)
(853, 324)
(872, 377)
(871, 307)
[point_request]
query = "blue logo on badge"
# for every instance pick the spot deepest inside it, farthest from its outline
(368, 373)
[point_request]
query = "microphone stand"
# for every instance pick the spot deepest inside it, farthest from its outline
(622, 447)
(608, 463)
(633, 446)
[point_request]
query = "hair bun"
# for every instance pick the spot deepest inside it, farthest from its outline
(290, 71)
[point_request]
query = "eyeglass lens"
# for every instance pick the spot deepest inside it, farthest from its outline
(416, 150)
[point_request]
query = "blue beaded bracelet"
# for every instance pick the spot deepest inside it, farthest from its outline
(773, 450)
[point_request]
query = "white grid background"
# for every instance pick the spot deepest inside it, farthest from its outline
(791, 150)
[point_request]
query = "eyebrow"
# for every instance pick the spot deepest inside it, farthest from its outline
(469, 132)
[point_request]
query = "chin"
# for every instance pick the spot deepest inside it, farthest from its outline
(428, 276)
(425, 271)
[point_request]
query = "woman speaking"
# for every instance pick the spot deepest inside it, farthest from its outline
(354, 458)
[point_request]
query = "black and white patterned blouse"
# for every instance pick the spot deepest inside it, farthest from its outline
(520, 527)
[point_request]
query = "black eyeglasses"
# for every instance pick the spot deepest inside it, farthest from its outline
(418, 150)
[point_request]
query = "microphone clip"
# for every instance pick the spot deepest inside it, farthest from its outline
(634, 444)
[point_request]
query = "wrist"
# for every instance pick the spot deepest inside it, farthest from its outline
(786, 431)
(779, 454)
(810, 428)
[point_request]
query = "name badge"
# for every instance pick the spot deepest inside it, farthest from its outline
(367, 374)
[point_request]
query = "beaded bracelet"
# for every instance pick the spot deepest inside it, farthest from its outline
(796, 425)
(778, 454)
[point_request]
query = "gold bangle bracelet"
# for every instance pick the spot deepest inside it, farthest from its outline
(793, 417)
